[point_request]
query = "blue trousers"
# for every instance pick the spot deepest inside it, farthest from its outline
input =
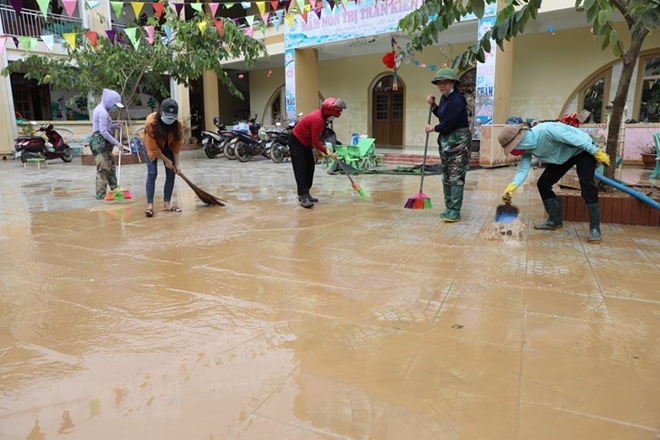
(152, 173)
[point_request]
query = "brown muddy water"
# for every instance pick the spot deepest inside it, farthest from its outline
(357, 319)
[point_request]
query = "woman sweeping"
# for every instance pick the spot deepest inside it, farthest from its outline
(163, 137)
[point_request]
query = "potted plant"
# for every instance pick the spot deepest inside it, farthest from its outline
(649, 155)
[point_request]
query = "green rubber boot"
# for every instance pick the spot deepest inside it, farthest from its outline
(594, 223)
(553, 208)
(456, 202)
(446, 189)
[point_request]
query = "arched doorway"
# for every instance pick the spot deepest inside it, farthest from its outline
(387, 111)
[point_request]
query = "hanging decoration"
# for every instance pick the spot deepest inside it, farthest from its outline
(551, 29)
(389, 61)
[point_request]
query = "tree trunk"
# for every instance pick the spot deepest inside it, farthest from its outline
(629, 59)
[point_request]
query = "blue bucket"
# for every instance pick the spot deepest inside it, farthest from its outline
(355, 138)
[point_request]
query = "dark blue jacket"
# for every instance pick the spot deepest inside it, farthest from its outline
(452, 113)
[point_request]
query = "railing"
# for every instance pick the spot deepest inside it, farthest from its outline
(33, 23)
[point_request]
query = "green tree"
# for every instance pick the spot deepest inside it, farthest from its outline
(640, 16)
(184, 56)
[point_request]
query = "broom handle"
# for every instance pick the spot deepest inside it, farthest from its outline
(121, 150)
(426, 147)
(344, 170)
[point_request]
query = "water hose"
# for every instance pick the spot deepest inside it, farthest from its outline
(639, 196)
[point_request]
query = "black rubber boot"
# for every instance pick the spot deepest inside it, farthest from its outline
(594, 223)
(311, 199)
(305, 202)
(553, 208)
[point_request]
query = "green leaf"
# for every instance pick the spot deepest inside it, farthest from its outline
(614, 37)
(478, 7)
(481, 55)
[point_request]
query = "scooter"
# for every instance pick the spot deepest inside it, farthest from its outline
(247, 146)
(214, 142)
(29, 147)
(279, 142)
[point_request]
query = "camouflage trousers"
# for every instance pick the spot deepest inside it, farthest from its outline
(455, 156)
(106, 171)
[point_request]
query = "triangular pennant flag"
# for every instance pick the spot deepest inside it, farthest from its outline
(150, 30)
(289, 19)
(91, 4)
(218, 26)
(214, 8)
(131, 36)
(196, 6)
(264, 17)
(3, 40)
(343, 4)
(312, 3)
(278, 20)
(304, 16)
(70, 38)
(15, 40)
(43, 6)
(168, 32)
(117, 7)
(250, 20)
(49, 41)
(70, 6)
(229, 5)
(275, 4)
(28, 43)
(332, 4)
(317, 11)
(92, 37)
(137, 7)
(158, 9)
(111, 33)
(246, 5)
(17, 5)
(202, 26)
(249, 31)
(262, 7)
(178, 7)
(287, 5)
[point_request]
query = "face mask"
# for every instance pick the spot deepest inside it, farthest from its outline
(331, 118)
(166, 120)
(113, 108)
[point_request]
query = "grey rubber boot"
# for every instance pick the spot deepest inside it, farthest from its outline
(453, 214)
(594, 223)
(553, 208)
(311, 199)
(305, 202)
(446, 189)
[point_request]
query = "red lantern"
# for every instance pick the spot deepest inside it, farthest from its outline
(389, 60)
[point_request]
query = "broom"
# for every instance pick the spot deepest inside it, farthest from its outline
(355, 186)
(119, 193)
(421, 200)
(203, 196)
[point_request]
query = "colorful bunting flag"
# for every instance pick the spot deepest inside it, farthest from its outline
(278, 20)
(178, 7)
(262, 7)
(43, 6)
(214, 8)
(70, 6)
(246, 5)
(91, 4)
(93, 38)
(112, 34)
(49, 41)
(28, 43)
(15, 40)
(249, 31)
(132, 36)
(137, 7)
(150, 30)
(264, 18)
(274, 4)
(218, 26)
(158, 9)
(70, 38)
(196, 6)
(250, 20)
(17, 5)
(3, 40)
(117, 7)
(229, 5)
(202, 26)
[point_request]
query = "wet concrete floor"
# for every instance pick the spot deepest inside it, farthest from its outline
(358, 319)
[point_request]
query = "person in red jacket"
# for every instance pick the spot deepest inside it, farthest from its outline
(305, 136)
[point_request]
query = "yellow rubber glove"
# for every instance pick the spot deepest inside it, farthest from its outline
(508, 193)
(602, 158)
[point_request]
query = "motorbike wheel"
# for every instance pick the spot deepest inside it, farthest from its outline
(230, 150)
(208, 152)
(241, 152)
(275, 153)
(67, 155)
(24, 157)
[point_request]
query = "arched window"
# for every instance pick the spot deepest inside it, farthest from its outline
(594, 97)
(276, 107)
(649, 103)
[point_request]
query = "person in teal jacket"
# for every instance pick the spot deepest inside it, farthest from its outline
(561, 147)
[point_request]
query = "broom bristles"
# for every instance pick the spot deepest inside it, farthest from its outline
(203, 195)
(419, 201)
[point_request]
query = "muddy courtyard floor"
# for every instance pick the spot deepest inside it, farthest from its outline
(357, 319)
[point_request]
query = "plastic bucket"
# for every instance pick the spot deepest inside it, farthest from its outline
(355, 138)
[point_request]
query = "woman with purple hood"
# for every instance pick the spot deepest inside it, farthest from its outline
(102, 142)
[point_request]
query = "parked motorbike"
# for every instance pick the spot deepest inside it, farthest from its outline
(247, 146)
(279, 142)
(249, 129)
(53, 147)
(214, 142)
